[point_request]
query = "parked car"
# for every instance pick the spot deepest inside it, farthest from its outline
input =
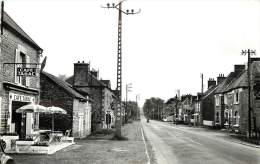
(5, 159)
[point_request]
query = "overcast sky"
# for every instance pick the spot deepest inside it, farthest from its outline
(166, 47)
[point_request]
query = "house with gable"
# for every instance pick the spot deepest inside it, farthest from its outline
(58, 93)
(255, 72)
(236, 101)
(104, 99)
(19, 78)
(219, 104)
(188, 107)
(196, 117)
(207, 104)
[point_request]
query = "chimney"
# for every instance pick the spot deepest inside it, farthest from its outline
(81, 71)
(211, 83)
(239, 68)
(220, 78)
(94, 73)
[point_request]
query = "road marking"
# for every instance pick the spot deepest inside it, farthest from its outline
(119, 149)
(191, 140)
(146, 151)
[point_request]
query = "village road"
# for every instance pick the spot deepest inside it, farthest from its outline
(178, 144)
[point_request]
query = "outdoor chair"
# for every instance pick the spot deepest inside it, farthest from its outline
(67, 137)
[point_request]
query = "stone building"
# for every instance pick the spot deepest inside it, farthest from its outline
(87, 82)
(16, 90)
(236, 101)
(56, 92)
(219, 106)
(207, 102)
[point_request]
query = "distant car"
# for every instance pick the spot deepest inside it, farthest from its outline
(164, 120)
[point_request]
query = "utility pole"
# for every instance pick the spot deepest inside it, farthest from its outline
(176, 106)
(128, 89)
(249, 53)
(201, 84)
(119, 61)
(137, 108)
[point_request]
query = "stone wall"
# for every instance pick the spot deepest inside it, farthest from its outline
(54, 95)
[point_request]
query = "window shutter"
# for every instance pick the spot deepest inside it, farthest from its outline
(28, 78)
(17, 56)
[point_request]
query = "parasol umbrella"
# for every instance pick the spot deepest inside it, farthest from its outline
(53, 110)
(31, 108)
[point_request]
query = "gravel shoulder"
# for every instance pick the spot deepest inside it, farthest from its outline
(131, 151)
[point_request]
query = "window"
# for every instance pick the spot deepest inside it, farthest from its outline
(236, 118)
(217, 117)
(21, 57)
(217, 98)
(225, 99)
(236, 97)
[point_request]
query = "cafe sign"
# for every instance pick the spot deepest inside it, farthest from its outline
(31, 72)
(21, 98)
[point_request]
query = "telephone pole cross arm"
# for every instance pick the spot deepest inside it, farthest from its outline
(119, 60)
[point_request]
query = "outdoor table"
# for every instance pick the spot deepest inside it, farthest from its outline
(56, 135)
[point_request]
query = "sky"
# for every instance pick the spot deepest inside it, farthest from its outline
(165, 47)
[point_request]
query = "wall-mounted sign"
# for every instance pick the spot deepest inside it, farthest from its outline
(26, 72)
(20, 97)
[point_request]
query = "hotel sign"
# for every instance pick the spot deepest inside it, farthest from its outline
(31, 72)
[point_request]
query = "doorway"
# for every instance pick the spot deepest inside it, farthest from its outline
(17, 119)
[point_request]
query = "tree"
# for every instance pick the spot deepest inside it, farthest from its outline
(153, 108)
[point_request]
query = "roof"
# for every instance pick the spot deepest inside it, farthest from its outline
(239, 82)
(225, 84)
(106, 82)
(209, 91)
(66, 86)
(9, 22)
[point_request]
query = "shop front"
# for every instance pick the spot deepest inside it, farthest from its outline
(19, 123)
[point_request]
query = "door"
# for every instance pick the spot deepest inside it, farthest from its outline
(17, 119)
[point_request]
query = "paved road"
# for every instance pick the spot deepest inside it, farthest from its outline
(178, 144)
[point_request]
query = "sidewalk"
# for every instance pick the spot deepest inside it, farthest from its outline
(131, 151)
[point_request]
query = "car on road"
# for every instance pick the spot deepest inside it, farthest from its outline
(164, 120)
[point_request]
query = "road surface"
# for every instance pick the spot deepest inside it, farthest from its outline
(178, 144)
